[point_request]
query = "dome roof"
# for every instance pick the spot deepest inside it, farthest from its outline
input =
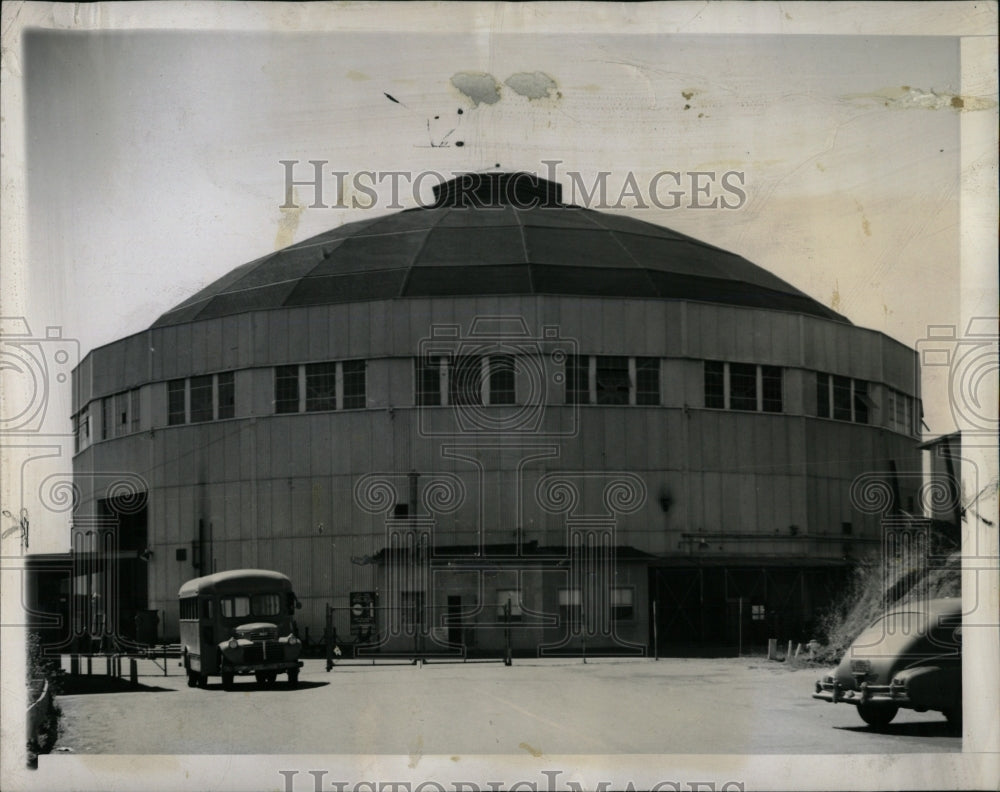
(494, 234)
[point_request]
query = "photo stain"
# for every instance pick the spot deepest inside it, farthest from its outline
(480, 87)
(533, 85)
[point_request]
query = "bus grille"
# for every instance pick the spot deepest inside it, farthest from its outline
(263, 652)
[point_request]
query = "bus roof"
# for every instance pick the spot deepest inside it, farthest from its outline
(233, 580)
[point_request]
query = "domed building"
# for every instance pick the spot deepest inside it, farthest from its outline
(499, 420)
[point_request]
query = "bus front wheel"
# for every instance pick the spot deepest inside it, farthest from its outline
(293, 677)
(227, 680)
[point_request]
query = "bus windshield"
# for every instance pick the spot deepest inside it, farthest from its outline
(240, 606)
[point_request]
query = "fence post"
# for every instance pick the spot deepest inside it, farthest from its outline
(328, 637)
(739, 621)
(772, 648)
(506, 631)
(133, 671)
(656, 642)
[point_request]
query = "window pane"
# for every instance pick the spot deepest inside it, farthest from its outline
(354, 384)
(107, 427)
(502, 379)
(509, 595)
(860, 401)
(201, 398)
(569, 606)
(577, 379)
(265, 604)
(121, 413)
(621, 604)
(842, 398)
(612, 380)
(235, 607)
(569, 596)
(465, 380)
(321, 386)
(286, 389)
(647, 380)
(134, 410)
(227, 395)
(770, 379)
(715, 395)
(742, 386)
(428, 381)
(822, 395)
(175, 402)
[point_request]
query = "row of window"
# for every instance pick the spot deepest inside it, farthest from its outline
(210, 397)
(612, 379)
(743, 386)
(491, 380)
(842, 398)
(314, 387)
(621, 604)
(233, 607)
(465, 380)
(119, 417)
(901, 413)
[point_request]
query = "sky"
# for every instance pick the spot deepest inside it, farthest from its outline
(154, 157)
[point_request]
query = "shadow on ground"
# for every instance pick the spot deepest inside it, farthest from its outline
(76, 685)
(277, 687)
(939, 728)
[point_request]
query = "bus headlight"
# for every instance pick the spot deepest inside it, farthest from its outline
(234, 644)
(293, 641)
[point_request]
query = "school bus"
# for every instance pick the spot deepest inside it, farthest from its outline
(238, 623)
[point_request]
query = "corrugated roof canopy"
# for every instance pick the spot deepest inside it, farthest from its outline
(493, 234)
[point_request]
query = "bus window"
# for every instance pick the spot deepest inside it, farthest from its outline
(189, 608)
(265, 604)
(235, 607)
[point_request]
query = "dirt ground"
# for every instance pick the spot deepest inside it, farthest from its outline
(606, 706)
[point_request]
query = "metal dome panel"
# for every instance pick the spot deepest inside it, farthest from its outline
(507, 235)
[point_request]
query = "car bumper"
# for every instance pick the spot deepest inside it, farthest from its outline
(257, 668)
(835, 693)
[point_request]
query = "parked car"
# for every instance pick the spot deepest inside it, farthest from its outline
(909, 658)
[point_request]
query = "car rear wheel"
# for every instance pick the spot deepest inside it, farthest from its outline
(877, 715)
(954, 717)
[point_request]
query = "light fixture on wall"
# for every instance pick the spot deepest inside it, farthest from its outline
(146, 554)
